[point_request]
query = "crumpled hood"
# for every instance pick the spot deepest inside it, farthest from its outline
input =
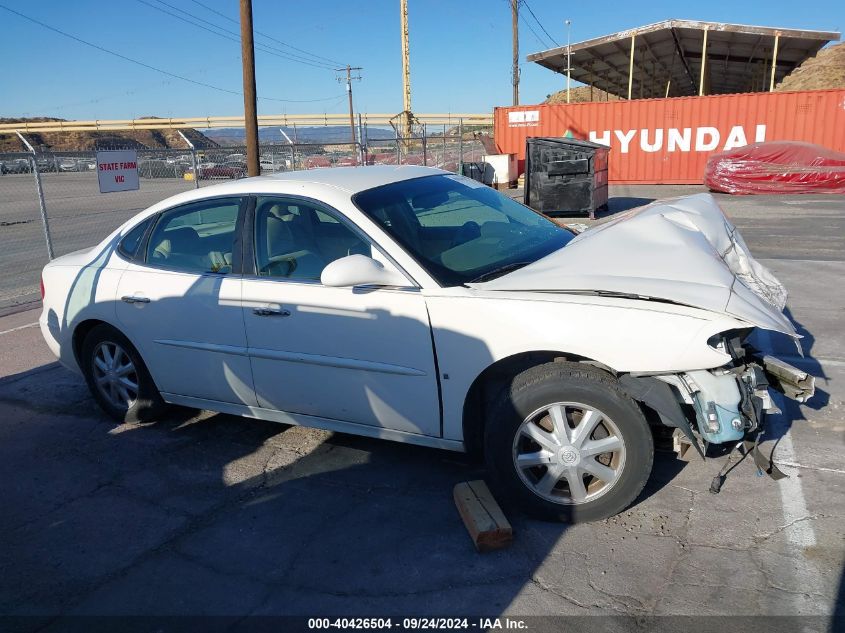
(682, 250)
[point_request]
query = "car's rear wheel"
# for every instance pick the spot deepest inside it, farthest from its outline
(565, 443)
(118, 378)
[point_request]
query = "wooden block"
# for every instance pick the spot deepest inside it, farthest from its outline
(482, 516)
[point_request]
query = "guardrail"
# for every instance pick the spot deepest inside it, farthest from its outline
(235, 121)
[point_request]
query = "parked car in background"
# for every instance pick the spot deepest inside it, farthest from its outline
(159, 168)
(314, 162)
(270, 166)
(72, 164)
(184, 159)
(47, 163)
(411, 304)
(16, 166)
(231, 170)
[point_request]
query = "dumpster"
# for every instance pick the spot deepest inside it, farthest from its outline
(565, 176)
(482, 172)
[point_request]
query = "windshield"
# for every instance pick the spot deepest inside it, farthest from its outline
(460, 230)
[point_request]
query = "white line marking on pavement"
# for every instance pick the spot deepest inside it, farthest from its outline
(791, 491)
(792, 497)
(20, 327)
(838, 471)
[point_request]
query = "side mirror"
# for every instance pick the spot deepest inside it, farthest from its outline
(360, 270)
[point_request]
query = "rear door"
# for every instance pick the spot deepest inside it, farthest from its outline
(179, 302)
(360, 355)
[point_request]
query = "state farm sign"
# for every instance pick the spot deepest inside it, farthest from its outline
(117, 170)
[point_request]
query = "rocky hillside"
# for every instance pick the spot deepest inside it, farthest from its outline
(77, 141)
(825, 70)
(581, 94)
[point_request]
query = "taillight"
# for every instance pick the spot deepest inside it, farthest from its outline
(42, 288)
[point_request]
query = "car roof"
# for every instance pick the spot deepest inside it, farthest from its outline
(348, 179)
(353, 179)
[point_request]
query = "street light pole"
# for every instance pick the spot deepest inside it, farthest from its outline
(568, 59)
(515, 47)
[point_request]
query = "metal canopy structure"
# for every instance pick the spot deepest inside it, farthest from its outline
(678, 58)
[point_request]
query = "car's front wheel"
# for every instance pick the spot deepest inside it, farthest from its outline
(118, 378)
(565, 443)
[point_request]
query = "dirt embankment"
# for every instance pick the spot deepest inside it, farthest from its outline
(581, 94)
(78, 141)
(825, 70)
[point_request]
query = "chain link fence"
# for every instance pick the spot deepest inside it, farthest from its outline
(51, 205)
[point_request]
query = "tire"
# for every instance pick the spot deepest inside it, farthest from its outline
(573, 393)
(143, 403)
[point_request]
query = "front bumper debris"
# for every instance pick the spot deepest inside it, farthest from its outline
(792, 382)
(730, 404)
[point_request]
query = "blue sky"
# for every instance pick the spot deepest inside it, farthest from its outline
(460, 52)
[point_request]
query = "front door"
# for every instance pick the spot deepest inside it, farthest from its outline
(350, 354)
(180, 302)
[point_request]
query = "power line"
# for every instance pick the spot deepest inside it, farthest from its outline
(266, 48)
(232, 36)
(150, 67)
(526, 23)
(269, 37)
(531, 28)
(527, 6)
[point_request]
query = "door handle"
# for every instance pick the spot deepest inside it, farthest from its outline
(131, 299)
(270, 312)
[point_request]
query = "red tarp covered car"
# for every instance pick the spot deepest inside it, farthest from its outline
(776, 167)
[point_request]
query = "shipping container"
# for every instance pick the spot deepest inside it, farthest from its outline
(668, 140)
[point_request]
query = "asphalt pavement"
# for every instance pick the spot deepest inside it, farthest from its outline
(216, 515)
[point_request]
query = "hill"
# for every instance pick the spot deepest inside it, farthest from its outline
(581, 94)
(89, 141)
(825, 70)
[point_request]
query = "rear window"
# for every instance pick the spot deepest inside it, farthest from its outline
(128, 246)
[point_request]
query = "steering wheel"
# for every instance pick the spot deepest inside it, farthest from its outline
(469, 231)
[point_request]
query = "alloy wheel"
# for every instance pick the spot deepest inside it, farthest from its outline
(569, 453)
(115, 375)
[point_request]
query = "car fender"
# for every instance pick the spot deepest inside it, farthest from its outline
(77, 293)
(471, 333)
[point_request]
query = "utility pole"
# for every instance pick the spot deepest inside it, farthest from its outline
(515, 38)
(349, 79)
(250, 109)
(406, 70)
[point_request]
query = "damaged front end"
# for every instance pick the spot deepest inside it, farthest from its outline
(726, 405)
(685, 252)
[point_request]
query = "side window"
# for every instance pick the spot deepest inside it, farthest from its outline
(196, 238)
(296, 240)
(132, 240)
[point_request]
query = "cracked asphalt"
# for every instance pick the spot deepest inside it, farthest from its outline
(209, 514)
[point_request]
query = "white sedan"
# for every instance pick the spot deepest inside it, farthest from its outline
(414, 305)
